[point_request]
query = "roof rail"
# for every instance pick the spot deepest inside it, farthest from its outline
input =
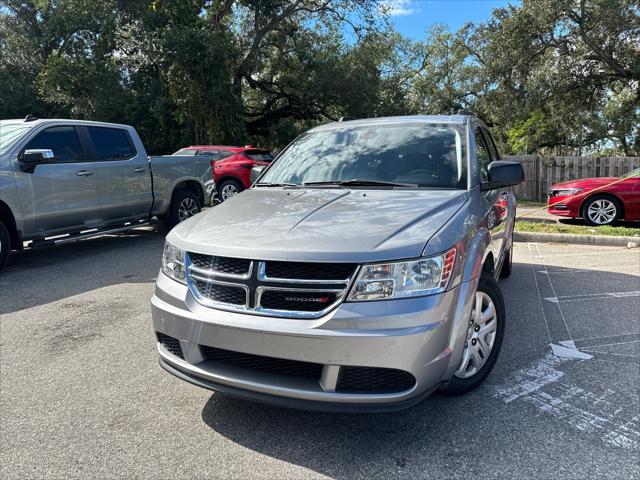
(464, 111)
(30, 118)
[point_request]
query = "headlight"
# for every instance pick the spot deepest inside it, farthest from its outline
(414, 278)
(566, 191)
(173, 265)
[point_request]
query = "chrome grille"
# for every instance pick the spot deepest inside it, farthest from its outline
(282, 289)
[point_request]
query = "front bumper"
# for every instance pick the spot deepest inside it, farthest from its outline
(422, 336)
(564, 206)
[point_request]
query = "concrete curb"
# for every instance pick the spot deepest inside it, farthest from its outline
(598, 240)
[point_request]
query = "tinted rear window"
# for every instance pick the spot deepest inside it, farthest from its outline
(111, 143)
(186, 151)
(258, 155)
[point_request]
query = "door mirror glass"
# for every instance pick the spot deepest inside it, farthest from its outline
(35, 156)
(255, 173)
(503, 174)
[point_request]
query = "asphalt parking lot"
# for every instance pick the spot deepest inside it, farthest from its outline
(82, 395)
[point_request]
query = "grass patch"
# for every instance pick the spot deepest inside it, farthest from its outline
(576, 229)
(531, 203)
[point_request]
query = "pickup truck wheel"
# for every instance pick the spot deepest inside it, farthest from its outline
(484, 338)
(229, 188)
(184, 204)
(5, 245)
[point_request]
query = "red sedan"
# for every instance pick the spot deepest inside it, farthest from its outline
(599, 201)
(231, 165)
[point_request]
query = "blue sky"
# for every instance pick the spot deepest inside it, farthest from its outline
(413, 17)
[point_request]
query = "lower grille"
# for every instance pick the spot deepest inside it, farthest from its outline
(278, 366)
(171, 344)
(373, 380)
(298, 301)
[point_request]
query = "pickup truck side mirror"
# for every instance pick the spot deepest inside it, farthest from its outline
(35, 156)
(255, 173)
(503, 174)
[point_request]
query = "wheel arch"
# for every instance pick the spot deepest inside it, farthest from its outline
(7, 217)
(190, 185)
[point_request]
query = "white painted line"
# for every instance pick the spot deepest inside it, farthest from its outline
(612, 344)
(586, 339)
(569, 352)
(531, 378)
(535, 279)
(554, 292)
(593, 296)
(608, 268)
(609, 353)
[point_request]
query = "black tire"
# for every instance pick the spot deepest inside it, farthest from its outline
(5, 245)
(591, 200)
(505, 271)
(181, 198)
(228, 184)
(460, 386)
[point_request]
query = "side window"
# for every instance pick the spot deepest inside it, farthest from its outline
(493, 151)
(62, 140)
(111, 143)
(483, 156)
(216, 154)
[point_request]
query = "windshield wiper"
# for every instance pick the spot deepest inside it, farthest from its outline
(361, 183)
(271, 184)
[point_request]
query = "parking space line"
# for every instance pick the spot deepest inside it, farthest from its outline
(607, 337)
(554, 291)
(535, 279)
(593, 296)
(577, 271)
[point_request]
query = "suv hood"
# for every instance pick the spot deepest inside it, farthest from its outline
(322, 225)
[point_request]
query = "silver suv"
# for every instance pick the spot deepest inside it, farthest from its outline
(358, 273)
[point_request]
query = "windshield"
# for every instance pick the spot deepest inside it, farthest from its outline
(632, 174)
(422, 155)
(9, 133)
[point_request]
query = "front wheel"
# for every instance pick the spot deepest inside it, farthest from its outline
(484, 339)
(5, 245)
(184, 204)
(601, 210)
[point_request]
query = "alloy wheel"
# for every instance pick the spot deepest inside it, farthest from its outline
(188, 208)
(480, 336)
(602, 211)
(228, 191)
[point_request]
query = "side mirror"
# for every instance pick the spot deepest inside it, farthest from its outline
(36, 155)
(255, 173)
(503, 174)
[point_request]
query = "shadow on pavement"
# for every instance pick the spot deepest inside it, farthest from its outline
(39, 276)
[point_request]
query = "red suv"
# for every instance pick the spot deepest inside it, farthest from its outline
(231, 165)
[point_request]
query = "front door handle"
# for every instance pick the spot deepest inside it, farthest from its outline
(84, 173)
(139, 169)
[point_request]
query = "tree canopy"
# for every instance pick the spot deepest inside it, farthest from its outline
(557, 76)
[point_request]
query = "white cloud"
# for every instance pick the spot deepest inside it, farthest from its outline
(398, 8)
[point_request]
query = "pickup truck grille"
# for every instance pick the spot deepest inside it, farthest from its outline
(273, 288)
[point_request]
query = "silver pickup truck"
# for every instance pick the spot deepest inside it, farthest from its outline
(358, 273)
(72, 179)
